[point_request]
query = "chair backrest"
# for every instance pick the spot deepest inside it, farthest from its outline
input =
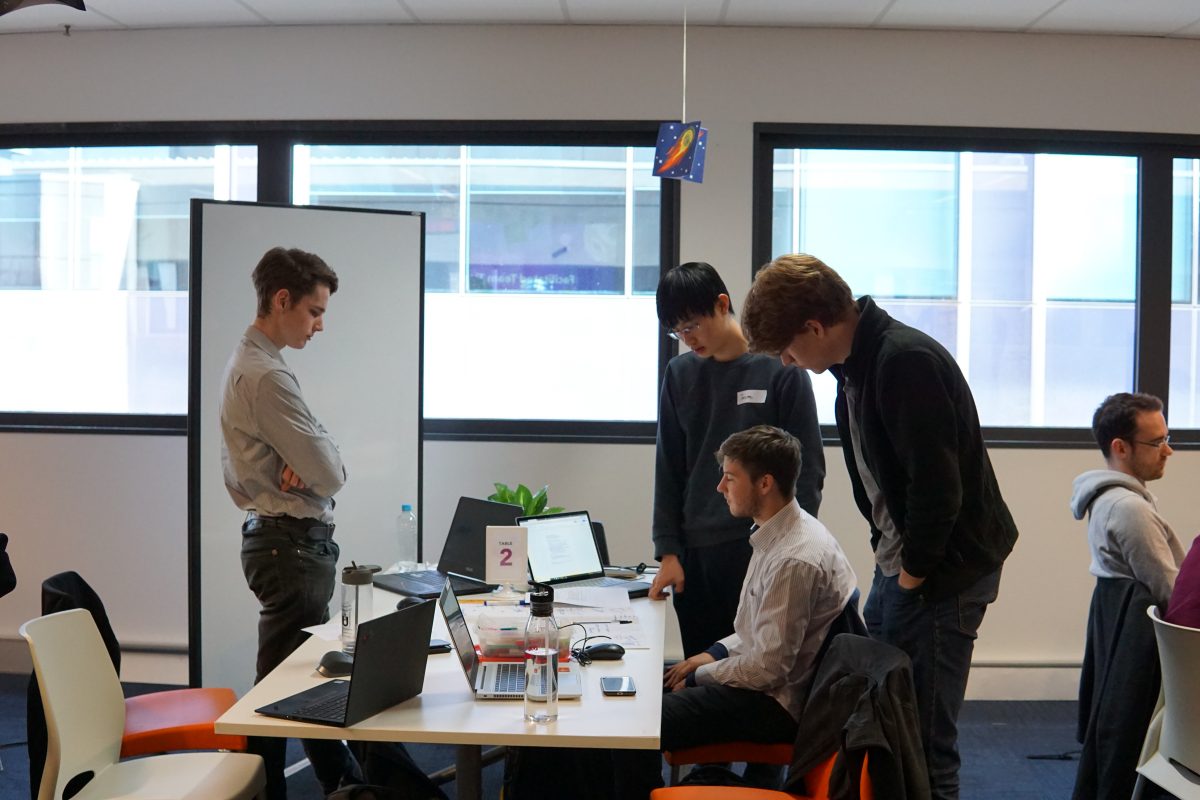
(8, 578)
(601, 542)
(1179, 654)
(85, 708)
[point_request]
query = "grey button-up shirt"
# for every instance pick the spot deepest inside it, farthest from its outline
(265, 425)
(797, 583)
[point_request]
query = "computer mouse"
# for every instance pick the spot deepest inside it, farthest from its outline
(336, 664)
(604, 651)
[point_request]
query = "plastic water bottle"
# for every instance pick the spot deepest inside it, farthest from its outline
(406, 535)
(541, 657)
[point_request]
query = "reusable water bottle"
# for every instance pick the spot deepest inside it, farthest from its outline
(356, 601)
(541, 657)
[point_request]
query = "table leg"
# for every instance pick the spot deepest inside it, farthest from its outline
(469, 772)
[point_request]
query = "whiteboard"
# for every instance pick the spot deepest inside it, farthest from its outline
(361, 377)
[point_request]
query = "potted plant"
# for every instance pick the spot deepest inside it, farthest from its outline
(532, 505)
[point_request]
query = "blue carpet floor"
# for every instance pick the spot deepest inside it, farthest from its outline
(995, 738)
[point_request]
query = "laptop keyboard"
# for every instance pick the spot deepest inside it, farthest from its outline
(510, 677)
(600, 582)
(331, 707)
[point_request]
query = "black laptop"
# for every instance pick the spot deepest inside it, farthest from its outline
(463, 555)
(389, 667)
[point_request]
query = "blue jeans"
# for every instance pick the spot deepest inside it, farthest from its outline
(939, 637)
(293, 578)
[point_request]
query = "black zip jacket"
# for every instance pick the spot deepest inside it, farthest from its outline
(921, 440)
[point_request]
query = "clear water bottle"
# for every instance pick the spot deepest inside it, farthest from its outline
(541, 657)
(406, 539)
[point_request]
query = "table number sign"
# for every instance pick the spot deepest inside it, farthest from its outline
(506, 555)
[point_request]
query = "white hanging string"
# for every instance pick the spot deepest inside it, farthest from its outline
(683, 116)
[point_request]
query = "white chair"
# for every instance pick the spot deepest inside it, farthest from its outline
(1171, 753)
(85, 717)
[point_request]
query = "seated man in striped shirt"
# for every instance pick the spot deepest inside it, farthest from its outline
(751, 685)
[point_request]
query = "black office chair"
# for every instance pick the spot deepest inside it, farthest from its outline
(8, 582)
(8, 578)
(601, 544)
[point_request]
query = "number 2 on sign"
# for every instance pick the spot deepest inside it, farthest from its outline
(506, 557)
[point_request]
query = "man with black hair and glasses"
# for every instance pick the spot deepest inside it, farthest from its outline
(1127, 535)
(1136, 559)
(717, 389)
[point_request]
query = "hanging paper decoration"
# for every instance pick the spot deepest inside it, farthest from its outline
(680, 151)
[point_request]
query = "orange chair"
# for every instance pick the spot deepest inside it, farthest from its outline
(179, 719)
(160, 722)
(727, 753)
(816, 787)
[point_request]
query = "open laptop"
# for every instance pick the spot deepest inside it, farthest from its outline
(462, 561)
(496, 680)
(563, 552)
(389, 667)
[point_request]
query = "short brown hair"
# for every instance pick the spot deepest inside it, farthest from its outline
(1116, 417)
(789, 292)
(766, 450)
(296, 270)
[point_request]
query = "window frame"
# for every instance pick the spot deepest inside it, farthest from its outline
(275, 142)
(1152, 297)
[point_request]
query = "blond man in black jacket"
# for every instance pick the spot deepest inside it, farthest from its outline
(921, 477)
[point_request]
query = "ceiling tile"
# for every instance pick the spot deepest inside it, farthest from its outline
(814, 13)
(176, 13)
(641, 12)
(534, 12)
(52, 18)
(324, 12)
(981, 15)
(1145, 17)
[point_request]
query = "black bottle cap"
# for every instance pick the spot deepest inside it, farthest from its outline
(541, 600)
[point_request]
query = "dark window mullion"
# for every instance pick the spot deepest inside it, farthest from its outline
(275, 156)
(1152, 350)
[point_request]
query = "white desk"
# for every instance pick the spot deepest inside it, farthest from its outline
(446, 711)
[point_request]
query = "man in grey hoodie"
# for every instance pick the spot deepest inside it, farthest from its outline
(1127, 535)
(1135, 558)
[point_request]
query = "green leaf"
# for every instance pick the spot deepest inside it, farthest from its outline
(525, 499)
(539, 500)
(554, 510)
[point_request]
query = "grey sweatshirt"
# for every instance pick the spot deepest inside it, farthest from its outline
(1127, 535)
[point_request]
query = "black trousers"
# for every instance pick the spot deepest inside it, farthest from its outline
(293, 577)
(713, 578)
(702, 715)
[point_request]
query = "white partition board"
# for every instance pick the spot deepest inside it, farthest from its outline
(361, 377)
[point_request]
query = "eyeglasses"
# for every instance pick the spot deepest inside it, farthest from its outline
(678, 333)
(1156, 443)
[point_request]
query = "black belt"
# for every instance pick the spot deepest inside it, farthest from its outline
(307, 526)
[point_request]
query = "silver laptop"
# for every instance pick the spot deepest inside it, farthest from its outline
(563, 552)
(495, 680)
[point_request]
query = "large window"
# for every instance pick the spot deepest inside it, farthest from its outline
(94, 273)
(1030, 266)
(541, 267)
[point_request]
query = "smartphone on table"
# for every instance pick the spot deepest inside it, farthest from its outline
(618, 686)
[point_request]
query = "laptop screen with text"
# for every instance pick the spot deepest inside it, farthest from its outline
(561, 547)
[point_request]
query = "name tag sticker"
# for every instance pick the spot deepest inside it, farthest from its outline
(752, 396)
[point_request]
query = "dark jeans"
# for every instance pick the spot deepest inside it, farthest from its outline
(713, 578)
(939, 637)
(293, 578)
